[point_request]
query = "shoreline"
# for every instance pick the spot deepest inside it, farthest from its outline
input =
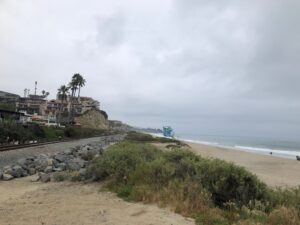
(280, 153)
(274, 171)
(286, 154)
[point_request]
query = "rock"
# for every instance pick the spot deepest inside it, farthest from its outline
(31, 171)
(60, 157)
(75, 164)
(68, 152)
(44, 177)
(41, 163)
(1, 174)
(48, 169)
(31, 158)
(55, 163)
(49, 162)
(35, 178)
(18, 171)
(86, 148)
(58, 169)
(62, 166)
(7, 170)
(23, 163)
(7, 177)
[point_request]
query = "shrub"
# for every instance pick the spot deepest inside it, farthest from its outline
(141, 137)
(70, 132)
(121, 159)
(230, 183)
(37, 131)
(286, 197)
(213, 191)
(67, 176)
(211, 217)
(283, 216)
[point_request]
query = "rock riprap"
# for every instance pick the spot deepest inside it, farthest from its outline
(74, 159)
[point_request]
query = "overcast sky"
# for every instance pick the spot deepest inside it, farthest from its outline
(212, 66)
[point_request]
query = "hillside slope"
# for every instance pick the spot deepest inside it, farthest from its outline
(92, 119)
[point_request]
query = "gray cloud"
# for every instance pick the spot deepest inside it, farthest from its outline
(213, 65)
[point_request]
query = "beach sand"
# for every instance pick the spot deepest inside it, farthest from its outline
(23, 202)
(272, 170)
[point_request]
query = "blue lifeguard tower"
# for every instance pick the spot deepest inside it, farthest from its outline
(168, 131)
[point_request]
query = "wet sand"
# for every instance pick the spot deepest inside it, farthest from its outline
(272, 170)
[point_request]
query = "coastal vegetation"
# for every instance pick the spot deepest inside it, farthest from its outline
(11, 132)
(212, 191)
(8, 106)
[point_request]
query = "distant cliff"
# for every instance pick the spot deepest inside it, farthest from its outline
(93, 118)
(119, 126)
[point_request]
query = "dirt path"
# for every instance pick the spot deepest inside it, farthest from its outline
(25, 203)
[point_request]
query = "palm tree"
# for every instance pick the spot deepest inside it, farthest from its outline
(62, 93)
(81, 83)
(74, 84)
(45, 94)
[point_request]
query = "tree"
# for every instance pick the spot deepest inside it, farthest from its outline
(63, 91)
(76, 83)
(81, 83)
(45, 94)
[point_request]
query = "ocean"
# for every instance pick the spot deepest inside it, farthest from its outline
(260, 145)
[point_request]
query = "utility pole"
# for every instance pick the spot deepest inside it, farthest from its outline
(25, 92)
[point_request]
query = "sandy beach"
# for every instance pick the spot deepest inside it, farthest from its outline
(274, 171)
(23, 202)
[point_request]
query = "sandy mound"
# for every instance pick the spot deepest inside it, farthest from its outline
(24, 202)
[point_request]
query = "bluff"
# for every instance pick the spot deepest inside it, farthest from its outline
(93, 118)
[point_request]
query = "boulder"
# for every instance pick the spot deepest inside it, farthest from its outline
(76, 164)
(31, 171)
(49, 162)
(62, 166)
(7, 170)
(23, 163)
(18, 171)
(35, 178)
(57, 169)
(86, 148)
(44, 177)
(68, 152)
(61, 157)
(7, 177)
(41, 163)
(48, 169)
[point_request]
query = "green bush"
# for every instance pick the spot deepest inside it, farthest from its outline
(286, 197)
(121, 159)
(145, 164)
(67, 176)
(142, 137)
(213, 191)
(73, 132)
(230, 183)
